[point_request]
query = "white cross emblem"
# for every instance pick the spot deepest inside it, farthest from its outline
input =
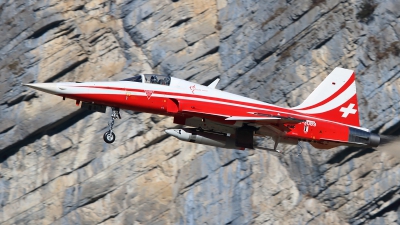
(348, 110)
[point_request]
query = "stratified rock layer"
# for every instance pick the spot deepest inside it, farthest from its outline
(55, 167)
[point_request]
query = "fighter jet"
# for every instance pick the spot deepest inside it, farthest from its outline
(327, 118)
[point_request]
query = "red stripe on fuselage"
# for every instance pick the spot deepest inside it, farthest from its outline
(134, 103)
(175, 94)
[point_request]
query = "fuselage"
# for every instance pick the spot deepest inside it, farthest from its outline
(183, 99)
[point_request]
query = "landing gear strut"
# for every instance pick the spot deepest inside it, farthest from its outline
(109, 136)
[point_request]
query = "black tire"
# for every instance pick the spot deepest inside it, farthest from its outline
(109, 137)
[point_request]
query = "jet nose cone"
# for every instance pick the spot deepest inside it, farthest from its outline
(46, 87)
(179, 133)
(174, 132)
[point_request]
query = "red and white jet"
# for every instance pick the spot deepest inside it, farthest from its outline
(326, 119)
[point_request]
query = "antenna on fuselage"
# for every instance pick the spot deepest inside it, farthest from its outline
(214, 83)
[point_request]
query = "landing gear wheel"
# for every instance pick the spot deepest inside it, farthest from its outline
(109, 137)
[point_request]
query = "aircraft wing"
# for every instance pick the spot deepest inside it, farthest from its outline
(199, 114)
(251, 117)
(275, 124)
(266, 119)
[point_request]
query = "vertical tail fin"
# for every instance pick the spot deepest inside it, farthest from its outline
(334, 99)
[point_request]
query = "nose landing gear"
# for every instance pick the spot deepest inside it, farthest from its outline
(109, 136)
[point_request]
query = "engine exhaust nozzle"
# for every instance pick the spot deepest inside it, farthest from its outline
(374, 140)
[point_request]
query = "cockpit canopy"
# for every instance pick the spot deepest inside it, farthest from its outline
(150, 78)
(136, 78)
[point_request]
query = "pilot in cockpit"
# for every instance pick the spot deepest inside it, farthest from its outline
(153, 79)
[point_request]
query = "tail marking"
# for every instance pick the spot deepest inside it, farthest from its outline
(334, 99)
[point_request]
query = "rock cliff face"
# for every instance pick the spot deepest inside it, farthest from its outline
(55, 167)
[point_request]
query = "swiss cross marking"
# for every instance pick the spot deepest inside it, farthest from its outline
(148, 93)
(348, 110)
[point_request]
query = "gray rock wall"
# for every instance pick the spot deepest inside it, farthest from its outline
(56, 169)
